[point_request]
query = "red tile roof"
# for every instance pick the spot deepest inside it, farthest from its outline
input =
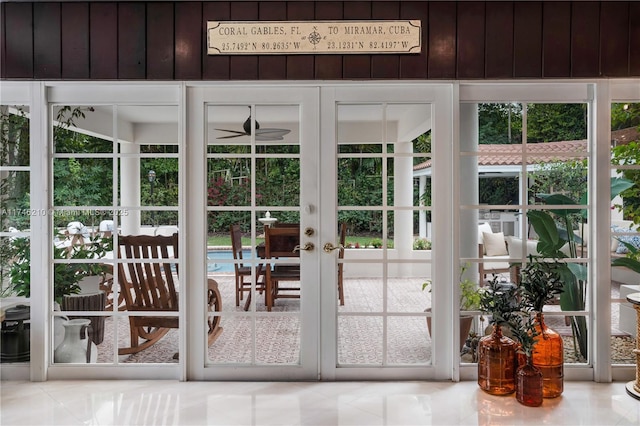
(511, 155)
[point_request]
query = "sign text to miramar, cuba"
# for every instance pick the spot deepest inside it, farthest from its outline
(313, 37)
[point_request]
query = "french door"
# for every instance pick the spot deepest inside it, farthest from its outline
(253, 164)
(263, 157)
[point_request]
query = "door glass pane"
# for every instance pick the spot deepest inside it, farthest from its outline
(115, 176)
(506, 184)
(15, 215)
(384, 200)
(625, 164)
(253, 186)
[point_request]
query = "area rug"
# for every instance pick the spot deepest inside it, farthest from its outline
(360, 336)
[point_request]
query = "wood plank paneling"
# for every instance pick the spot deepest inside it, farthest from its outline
(75, 41)
(300, 67)
(328, 67)
(556, 39)
(131, 41)
(357, 66)
(244, 67)
(499, 40)
(103, 37)
(442, 40)
(18, 27)
(160, 41)
(415, 65)
(272, 67)
(585, 39)
(527, 40)
(470, 51)
(3, 42)
(466, 39)
(216, 67)
(46, 41)
(634, 39)
(190, 45)
(614, 40)
(385, 66)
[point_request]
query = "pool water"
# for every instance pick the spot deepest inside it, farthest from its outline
(216, 255)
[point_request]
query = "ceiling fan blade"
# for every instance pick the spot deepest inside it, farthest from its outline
(231, 131)
(268, 138)
(272, 132)
(231, 136)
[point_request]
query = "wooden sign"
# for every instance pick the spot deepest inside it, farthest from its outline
(313, 37)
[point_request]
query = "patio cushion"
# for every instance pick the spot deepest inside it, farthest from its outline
(495, 244)
(482, 228)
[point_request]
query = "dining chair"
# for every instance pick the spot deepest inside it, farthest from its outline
(281, 243)
(343, 237)
(242, 272)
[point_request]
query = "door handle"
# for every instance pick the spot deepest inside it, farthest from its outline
(306, 247)
(328, 247)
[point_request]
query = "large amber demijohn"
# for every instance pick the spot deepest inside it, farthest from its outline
(497, 363)
(548, 357)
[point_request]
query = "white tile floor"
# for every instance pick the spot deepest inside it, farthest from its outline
(280, 403)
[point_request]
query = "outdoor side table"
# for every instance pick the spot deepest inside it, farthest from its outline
(633, 387)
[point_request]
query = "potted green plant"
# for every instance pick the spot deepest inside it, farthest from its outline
(66, 276)
(469, 301)
(555, 230)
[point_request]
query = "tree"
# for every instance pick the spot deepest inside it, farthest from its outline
(499, 123)
(556, 122)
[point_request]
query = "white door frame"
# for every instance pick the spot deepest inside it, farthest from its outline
(196, 220)
(440, 97)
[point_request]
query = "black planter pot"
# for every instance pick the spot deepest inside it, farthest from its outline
(14, 340)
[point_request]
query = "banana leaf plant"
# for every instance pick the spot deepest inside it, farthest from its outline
(555, 231)
(631, 260)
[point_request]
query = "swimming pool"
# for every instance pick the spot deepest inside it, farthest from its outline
(216, 255)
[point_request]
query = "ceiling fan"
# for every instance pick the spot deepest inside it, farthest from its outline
(264, 134)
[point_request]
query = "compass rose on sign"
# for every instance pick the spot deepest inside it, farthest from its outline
(314, 37)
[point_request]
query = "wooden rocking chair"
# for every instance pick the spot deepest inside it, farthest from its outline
(148, 285)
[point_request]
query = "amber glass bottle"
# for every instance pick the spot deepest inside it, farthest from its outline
(497, 363)
(548, 357)
(529, 384)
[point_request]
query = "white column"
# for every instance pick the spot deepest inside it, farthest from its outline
(130, 188)
(403, 196)
(469, 180)
(422, 215)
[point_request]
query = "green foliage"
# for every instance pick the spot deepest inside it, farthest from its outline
(496, 191)
(500, 123)
(376, 242)
(540, 282)
(470, 292)
(555, 229)
(624, 115)
(523, 330)
(421, 244)
(631, 260)
(422, 144)
(14, 151)
(556, 122)
(66, 276)
(623, 155)
(567, 177)
(499, 301)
